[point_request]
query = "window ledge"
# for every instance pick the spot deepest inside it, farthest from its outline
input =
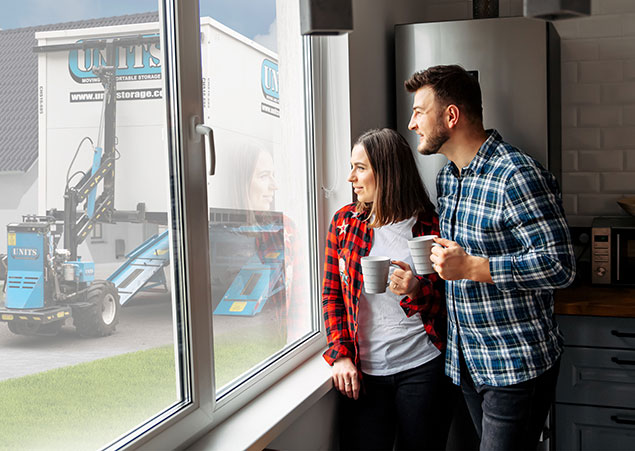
(263, 419)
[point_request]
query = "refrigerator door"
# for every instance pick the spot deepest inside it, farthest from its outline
(517, 62)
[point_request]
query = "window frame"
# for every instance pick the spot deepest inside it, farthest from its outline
(186, 421)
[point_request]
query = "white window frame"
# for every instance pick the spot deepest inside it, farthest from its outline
(185, 422)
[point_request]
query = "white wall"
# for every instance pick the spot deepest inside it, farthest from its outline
(598, 110)
(316, 429)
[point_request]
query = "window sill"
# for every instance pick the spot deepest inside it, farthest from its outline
(263, 419)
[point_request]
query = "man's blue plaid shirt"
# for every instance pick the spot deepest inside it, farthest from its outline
(506, 207)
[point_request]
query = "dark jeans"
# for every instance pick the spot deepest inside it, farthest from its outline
(510, 417)
(407, 410)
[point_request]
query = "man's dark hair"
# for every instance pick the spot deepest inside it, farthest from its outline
(452, 85)
(400, 192)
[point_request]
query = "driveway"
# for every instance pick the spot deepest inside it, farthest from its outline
(144, 323)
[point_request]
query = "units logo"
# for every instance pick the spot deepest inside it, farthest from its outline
(133, 62)
(270, 81)
(25, 253)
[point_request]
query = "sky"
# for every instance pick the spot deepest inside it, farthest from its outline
(252, 18)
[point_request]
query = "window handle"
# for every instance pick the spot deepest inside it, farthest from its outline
(197, 130)
(620, 420)
(622, 361)
(617, 333)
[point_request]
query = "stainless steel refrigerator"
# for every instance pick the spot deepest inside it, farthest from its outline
(517, 62)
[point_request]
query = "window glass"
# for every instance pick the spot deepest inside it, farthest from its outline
(87, 327)
(92, 310)
(259, 195)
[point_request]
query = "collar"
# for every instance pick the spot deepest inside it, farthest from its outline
(482, 156)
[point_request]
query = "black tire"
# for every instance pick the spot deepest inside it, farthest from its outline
(31, 328)
(24, 327)
(101, 317)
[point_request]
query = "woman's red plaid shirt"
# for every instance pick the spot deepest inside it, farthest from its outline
(348, 240)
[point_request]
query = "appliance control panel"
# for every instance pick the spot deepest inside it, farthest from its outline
(601, 255)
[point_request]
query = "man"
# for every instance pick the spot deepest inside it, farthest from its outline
(505, 248)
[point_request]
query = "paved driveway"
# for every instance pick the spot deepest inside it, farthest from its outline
(143, 324)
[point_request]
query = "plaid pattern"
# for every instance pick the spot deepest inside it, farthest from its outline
(349, 239)
(505, 207)
(293, 304)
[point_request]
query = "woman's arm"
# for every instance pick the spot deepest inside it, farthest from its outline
(340, 342)
(429, 300)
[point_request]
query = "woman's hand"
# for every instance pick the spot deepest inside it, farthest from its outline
(345, 377)
(403, 281)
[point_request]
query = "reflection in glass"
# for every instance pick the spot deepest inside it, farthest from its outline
(258, 203)
(88, 349)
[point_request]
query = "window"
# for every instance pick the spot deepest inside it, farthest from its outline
(193, 292)
(258, 202)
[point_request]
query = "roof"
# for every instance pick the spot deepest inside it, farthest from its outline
(18, 87)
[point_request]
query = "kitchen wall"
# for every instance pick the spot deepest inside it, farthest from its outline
(598, 102)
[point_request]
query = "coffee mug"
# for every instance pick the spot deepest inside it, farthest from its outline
(420, 250)
(375, 271)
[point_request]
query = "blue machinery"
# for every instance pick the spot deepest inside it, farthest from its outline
(262, 276)
(46, 285)
(144, 267)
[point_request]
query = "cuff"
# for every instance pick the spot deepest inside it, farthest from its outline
(336, 351)
(501, 269)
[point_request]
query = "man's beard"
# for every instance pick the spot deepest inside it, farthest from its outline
(435, 140)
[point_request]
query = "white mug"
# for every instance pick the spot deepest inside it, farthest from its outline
(420, 250)
(375, 271)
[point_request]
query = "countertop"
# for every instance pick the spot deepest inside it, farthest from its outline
(592, 300)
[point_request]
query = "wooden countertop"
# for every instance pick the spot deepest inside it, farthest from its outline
(592, 300)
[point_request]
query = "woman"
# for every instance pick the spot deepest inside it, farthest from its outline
(386, 349)
(250, 186)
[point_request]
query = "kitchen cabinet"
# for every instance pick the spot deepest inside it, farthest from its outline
(595, 395)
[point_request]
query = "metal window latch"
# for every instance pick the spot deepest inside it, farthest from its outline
(197, 129)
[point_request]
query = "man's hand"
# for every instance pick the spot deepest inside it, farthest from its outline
(345, 377)
(403, 281)
(451, 262)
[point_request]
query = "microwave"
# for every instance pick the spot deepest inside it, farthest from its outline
(613, 251)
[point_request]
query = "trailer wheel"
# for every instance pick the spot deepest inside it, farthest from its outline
(101, 317)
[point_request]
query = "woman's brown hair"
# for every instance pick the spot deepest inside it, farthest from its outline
(400, 193)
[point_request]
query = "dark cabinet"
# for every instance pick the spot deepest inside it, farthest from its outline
(595, 396)
(594, 428)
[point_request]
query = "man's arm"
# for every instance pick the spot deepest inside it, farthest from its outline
(534, 216)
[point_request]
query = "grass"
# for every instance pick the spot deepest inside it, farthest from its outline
(235, 355)
(86, 406)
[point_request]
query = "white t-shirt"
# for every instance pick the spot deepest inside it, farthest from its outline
(389, 342)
